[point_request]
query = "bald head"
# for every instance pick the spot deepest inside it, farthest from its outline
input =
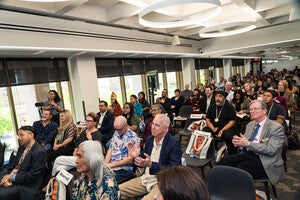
(120, 122)
(186, 86)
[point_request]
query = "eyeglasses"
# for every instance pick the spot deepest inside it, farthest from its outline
(126, 107)
(154, 125)
(119, 129)
(255, 109)
(89, 121)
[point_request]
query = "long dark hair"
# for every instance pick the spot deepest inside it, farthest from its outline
(130, 114)
(240, 93)
(144, 96)
(56, 98)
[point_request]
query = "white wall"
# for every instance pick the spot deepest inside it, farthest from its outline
(289, 65)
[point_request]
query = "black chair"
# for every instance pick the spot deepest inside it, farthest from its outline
(265, 181)
(229, 183)
(201, 163)
(185, 111)
(185, 132)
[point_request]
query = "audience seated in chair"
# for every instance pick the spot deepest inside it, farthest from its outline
(23, 176)
(178, 182)
(63, 140)
(220, 120)
(207, 100)
(46, 130)
(161, 150)
(119, 157)
(97, 180)
(165, 101)
(90, 133)
(262, 145)
(106, 122)
(133, 121)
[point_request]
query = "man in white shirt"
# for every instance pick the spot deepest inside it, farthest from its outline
(228, 87)
(161, 150)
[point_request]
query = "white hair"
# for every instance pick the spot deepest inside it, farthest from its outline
(164, 118)
(93, 154)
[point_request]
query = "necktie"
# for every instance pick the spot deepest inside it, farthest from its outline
(254, 132)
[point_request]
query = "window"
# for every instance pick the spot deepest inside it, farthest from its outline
(171, 82)
(24, 99)
(66, 95)
(108, 85)
(161, 86)
(6, 125)
(133, 85)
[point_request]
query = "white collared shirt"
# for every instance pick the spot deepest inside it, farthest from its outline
(149, 180)
(101, 118)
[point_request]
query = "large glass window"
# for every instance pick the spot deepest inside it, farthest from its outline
(66, 94)
(133, 85)
(6, 125)
(108, 85)
(171, 82)
(24, 99)
(161, 86)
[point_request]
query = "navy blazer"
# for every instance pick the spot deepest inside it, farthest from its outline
(107, 128)
(30, 175)
(170, 154)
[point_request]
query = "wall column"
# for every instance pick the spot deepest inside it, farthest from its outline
(188, 71)
(83, 78)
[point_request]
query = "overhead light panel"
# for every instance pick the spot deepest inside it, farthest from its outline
(179, 23)
(227, 29)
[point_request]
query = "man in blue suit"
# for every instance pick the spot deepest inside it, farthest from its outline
(162, 150)
(106, 122)
(23, 176)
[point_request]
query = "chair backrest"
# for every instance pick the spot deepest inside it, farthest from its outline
(185, 110)
(230, 183)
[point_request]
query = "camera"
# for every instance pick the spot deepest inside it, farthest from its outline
(38, 104)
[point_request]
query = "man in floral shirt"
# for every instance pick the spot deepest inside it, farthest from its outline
(118, 156)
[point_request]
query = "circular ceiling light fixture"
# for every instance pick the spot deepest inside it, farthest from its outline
(227, 29)
(179, 23)
(46, 1)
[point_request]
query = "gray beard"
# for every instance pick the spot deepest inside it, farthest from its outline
(218, 103)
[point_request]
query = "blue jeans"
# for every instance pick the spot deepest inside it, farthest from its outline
(122, 174)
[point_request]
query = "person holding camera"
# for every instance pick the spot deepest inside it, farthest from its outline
(54, 104)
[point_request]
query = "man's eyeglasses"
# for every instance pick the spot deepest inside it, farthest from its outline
(255, 109)
(119, 129)
(89, 121)
(155, 125)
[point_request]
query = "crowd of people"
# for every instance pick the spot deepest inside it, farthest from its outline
(248, 113)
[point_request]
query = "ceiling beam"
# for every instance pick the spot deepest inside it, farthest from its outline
(121, 11)
(72, 5)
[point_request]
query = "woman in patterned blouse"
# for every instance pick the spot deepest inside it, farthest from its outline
(97, 181)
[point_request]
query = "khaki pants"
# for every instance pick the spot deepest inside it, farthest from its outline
(134, 188)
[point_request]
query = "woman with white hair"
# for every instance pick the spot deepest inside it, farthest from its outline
(97, 180)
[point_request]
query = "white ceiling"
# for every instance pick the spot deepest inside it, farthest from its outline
(124, 14)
